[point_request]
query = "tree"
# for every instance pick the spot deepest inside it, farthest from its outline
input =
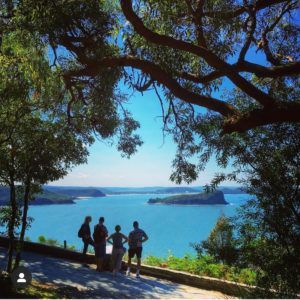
(220, 244)
(36, 152)
(39, 142)
(185, 51)
(269, 224)
(266, 162)
(187, 48)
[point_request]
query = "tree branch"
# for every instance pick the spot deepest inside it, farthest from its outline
(234, 122)
(226, 15)
(197, 19)
(283, 112)
(160, 76)
(271, 72)
(264, 43)
(201, 79)
(251, 30)
(209, 56)
(291, 69)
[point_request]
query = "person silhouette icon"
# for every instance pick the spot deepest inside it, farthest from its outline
(21, 278)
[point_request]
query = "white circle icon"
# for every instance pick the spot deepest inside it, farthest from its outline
(21, 278)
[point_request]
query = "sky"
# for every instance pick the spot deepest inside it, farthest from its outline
(150, 166)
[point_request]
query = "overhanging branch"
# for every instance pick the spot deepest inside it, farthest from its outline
(234, 121)
(290, 69)
(212, 59)
(226, 15)
(283, 112)
(160, 76)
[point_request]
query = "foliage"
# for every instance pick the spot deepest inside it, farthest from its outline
(90, 106)
(266, 162)
(221, 244)
(183, 51)
(204, 265)
(52, 242)
(47, 122)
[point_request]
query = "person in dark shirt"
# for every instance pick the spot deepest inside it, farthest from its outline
(85, 233)
(100, 234)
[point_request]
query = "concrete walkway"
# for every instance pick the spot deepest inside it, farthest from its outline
(92, 284)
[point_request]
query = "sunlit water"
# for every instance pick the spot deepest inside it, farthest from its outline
(170, 228)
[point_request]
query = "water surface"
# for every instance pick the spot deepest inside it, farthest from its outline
(170, 228)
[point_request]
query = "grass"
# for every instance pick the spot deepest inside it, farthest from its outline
(33, 291)
(204, 266)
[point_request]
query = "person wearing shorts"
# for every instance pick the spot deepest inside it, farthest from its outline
(100, 235)
(136, 239)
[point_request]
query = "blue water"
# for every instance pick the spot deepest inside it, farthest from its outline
(170, 228)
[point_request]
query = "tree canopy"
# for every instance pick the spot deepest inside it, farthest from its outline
(187, 47)
(194, 54)
(226, 74)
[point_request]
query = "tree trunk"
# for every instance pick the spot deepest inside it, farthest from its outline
(11, 225)
(24, 224)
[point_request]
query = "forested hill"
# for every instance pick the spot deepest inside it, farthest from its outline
(54, 196)
(192, 199)
(76, 192)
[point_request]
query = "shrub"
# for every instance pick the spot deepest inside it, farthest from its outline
(41, 239)
(154, 261)
(50, 242)
(221, 243)
(204, 265)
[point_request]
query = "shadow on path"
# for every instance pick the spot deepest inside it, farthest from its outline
(92, 284)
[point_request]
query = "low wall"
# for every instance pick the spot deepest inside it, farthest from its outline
(54, 251)
(203, 282)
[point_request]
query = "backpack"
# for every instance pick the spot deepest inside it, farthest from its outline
(80, 232)
(99, 234)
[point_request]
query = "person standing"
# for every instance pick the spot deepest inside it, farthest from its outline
(85, 234)
(100, 234)
(136, 239)
(118, 240)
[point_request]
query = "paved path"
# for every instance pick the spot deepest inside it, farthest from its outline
(92, 284)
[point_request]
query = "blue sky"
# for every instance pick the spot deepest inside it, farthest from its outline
(150, 166)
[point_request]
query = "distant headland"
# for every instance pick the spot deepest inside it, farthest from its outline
(67, 194)
(214, 198)
(55, 195)
(166, 190)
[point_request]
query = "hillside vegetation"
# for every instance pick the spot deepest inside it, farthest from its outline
(54, 196)
(192, 199)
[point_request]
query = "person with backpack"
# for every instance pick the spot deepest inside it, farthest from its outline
(118, 240)
(100, 234)
(85, 234)
(135, 240)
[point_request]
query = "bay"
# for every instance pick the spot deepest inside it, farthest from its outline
(171, 228)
